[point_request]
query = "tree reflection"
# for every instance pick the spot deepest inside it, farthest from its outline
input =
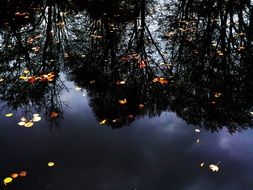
(114, 66)
(201, 68)
(211, 48)
(31, 52)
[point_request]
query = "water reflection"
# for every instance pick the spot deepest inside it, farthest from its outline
(201, 67)
(211, 49)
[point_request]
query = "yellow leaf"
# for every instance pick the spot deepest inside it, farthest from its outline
(7, 180)
(103, 122)
(29, 124)
(26, 71)
(23, 78)
(50, 164)
(36, 118)
(22, 123)
(124, 101)
(9, 114)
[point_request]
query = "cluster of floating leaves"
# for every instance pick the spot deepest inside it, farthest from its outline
(13, 176)
(29, 123)
(42, 78)
(23, 173)
(160, 80)
(22, 14)
(135, 57)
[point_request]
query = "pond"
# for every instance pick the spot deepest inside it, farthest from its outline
(129, 95)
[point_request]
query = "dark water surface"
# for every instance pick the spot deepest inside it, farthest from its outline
(132, 95)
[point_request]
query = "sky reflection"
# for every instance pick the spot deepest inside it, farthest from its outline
(154, 153)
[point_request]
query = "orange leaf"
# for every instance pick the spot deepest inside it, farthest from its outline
(53, 114)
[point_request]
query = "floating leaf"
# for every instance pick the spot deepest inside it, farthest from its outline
(197, 141)
(197, 130)
(120, 82)
(36, 119)
(23, 78)
(202, 164)
(142, 64)
(53, 114)
(36, 115)
(214, 167)
(29, 124)
(78, 88)
(22, 174)
(217, 94)
(9, 114)
(26, 71)
(7, 180)
(124, 101)
(22, 123)
(141, 106)
(160, 80)
(32, 80)
(103, 122)
(14, 175)
(51, 164)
